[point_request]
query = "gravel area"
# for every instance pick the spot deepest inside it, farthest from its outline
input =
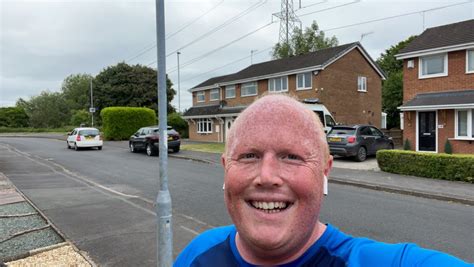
(63, 256)
(11, 226)
(24, 243)
(16, 208)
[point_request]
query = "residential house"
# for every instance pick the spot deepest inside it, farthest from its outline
(438, 89)
(344, 78)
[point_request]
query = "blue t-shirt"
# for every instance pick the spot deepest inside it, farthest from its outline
(217, 247)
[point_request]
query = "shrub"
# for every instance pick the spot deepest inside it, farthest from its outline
(179, 124)
(448, 149)
(430, 165)
(407, 145)
(80, 117)
(119, 123)
(13, 117)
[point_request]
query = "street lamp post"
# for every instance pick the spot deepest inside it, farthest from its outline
(179, 85)
(92, 110)
(251, 55)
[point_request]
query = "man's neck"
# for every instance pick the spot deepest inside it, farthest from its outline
(257, 256)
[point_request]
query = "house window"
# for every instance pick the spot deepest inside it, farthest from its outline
(230, 91)
(201, 96)
(362, 84)
(248, 89)
(279, 84)
(470, 61)
(433, 66)
(303, 81)
(215, 94)
(465, 124)
(204, 126)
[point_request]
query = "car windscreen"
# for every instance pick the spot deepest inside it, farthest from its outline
(342, 131)
(170, 131)
(88, 132)
(320, 115)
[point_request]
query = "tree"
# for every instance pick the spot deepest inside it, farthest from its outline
(48, 110)
(392, 88)
(129, 86)
(13, 117)
(76, 91)
(301, 43)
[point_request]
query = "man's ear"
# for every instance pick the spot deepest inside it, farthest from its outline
(328, 168)
(223, 160)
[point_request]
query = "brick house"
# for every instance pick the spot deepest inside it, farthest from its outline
(344, 78)
(438, 97)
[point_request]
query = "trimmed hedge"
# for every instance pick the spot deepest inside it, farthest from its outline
(179, 124)
(119, 123)
(430, 165)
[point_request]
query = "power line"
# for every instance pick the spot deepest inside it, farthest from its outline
(329, 8)
(314, 4)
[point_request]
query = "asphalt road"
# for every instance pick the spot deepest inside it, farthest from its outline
(103, 202)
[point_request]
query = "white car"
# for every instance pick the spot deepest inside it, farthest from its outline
(84, 137)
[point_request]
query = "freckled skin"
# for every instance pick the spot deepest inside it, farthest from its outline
(276, 151)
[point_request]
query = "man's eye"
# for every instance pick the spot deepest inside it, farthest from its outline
(292, 157)
(249, 156)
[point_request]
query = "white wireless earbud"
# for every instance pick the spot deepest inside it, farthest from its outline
(325, 185)
(223, 186)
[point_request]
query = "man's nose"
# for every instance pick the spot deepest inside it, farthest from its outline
(270, 173)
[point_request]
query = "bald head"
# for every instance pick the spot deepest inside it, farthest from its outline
(288, 119)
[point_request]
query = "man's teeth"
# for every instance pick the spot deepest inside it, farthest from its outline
(269, 206)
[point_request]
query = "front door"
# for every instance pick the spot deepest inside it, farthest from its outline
(228, 121)
(427, 131)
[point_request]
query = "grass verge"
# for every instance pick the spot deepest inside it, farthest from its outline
(211, 147)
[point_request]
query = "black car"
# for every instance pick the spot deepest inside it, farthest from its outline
(358, 141)
(147, 139)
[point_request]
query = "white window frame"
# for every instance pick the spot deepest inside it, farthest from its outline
(272, 82)
(361, 83)
(248, 85)
(200, 126)
(470, 113)
(467, 60)
(229, 88)
(420, 67)
(305, 86)
(213, 91)
(199, 94)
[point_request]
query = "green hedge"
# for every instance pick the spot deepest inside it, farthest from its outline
(179, 124)
(431, 165)
(119, 123)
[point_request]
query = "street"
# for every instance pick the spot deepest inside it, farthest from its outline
(102, 201)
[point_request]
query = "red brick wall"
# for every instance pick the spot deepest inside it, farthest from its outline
(457, 78)
(212, 137)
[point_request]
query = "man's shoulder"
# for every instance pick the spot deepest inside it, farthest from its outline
(203, 243)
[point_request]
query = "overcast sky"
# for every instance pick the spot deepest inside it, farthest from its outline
(42, 42)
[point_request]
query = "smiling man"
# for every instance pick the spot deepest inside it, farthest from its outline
(276, 162)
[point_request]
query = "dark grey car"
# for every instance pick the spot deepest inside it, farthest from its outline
(147, 139)
(357, 141)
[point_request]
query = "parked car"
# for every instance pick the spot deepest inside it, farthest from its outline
(147, 139)
(358, 141)
(84, 137)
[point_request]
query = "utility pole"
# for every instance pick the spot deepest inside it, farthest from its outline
(251, 55)
(163, 199)
(288, 21)
(179, 86)
(92, 109)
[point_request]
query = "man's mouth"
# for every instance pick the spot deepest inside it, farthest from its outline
(270, 207)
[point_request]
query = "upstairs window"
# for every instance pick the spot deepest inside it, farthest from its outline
(230, 91)
(362, 84)
(248, 89)
(215, 94)
(204, 126)
(201, 96)
(303, 81)
(433, 66)
(470, 61)
(279, 84)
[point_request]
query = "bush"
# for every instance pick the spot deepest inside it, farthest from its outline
(119, 123)
(430, 165)
(448, 149)
(179, 124)
(80, 117)
(13, 117)
(407, 145)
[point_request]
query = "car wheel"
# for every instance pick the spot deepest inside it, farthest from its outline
(176, 149)
(68, 146)
(150, 151)
(99, 147)
(390, 146)
(132, 148)
(361, 154)
(76, 147)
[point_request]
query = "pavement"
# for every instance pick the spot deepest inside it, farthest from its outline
(360, 174)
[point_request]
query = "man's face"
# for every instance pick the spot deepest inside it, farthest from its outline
(273, 181)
